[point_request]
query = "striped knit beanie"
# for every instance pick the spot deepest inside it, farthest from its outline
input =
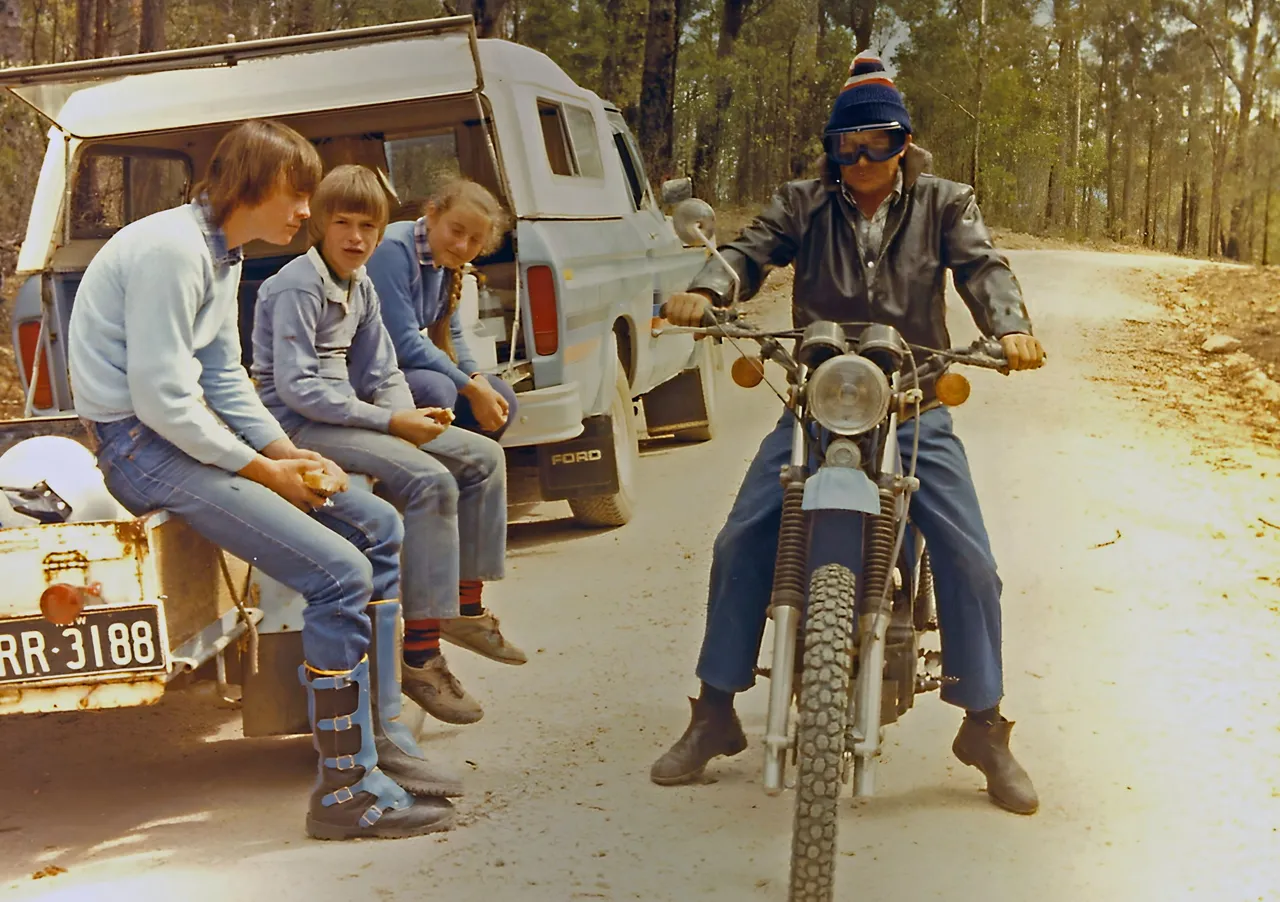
(867, 98)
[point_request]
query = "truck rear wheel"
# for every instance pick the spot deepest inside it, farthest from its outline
(616, 509)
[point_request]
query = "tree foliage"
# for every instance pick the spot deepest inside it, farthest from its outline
(1148, 121)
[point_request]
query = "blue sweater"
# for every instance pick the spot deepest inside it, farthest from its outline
(413, 296)
(153, 334)
(320, 351)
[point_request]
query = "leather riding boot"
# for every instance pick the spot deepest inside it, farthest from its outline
(986, 746)
(352, 797)
(712, 731)
(399, 754)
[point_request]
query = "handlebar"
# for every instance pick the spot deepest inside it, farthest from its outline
(986, 353)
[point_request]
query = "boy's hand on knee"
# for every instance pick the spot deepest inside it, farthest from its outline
(416, 426)
(285, 478)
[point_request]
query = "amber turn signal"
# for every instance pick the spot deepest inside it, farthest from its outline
(748, 372)
(61, 603)
(952, 389)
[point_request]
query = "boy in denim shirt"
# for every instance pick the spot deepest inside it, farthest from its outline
(326, 367)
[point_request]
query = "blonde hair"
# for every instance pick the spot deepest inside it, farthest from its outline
(249, 162)
(455, 192)
(349, 188)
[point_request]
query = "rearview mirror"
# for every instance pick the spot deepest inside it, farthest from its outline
(675, 190)
(694, 216)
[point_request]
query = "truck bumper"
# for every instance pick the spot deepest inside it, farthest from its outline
(544, 416)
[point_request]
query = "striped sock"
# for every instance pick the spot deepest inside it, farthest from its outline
(469, 603)
(421, 641)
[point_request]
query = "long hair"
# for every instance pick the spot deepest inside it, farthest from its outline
(464, 191)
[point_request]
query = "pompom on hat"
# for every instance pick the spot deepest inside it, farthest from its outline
(868, 98)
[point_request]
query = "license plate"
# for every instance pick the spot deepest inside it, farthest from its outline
(102, 641)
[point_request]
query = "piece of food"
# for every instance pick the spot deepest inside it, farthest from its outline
(321, 482)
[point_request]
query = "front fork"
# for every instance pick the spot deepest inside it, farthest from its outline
(866, 732)
(790, 584)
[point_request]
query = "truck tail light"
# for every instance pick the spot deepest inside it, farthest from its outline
(28, 340)
(543, 316)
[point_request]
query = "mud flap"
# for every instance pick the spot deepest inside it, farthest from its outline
(580, 467)
(676, 404)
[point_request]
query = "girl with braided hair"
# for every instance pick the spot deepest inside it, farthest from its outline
(417, 271)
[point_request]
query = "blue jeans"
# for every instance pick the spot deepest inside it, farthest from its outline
(433, 389)
(338, 558)
(946, 511)
(453, 491)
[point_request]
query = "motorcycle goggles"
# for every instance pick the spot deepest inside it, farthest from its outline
(878, 143)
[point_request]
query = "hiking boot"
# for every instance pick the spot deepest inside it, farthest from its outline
(399, 755)
(352, 798)
(437, 691)
(712, 731)
(986, 746)
(482, 636)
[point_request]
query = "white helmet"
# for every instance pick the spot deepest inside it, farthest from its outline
(69, 469)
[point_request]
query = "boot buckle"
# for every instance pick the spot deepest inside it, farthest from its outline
(337, 724)
(343, 762)
(371, 816)
(338, 796)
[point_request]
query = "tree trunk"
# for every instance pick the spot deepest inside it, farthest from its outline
(487, 13)
(657, 89)
(864, 23)
(101, 31)
(1266, 209)
(84, 28)
(151, 26)
(611, 65)
(1148, 225)
(977, 112)
(706, 153)
(1113, 101)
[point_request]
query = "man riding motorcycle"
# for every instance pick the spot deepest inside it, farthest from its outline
(871, 240)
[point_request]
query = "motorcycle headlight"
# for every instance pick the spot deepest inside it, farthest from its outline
(848, 394)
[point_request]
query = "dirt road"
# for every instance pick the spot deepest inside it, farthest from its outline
(1141, 600)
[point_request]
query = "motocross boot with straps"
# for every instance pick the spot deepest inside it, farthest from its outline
(399, 755)
(352, 798)
(984, 744)
(713, 730)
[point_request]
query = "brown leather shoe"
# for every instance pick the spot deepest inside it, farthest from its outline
(711, 732)
(482, 635)
(986, 747)
(435, 689)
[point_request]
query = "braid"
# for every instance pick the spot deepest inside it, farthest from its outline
(440, 333)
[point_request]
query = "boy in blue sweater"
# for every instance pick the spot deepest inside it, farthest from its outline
(154, 354)
(326, 367)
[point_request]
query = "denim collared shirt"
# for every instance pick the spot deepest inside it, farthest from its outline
(154, 334)
(320, 351)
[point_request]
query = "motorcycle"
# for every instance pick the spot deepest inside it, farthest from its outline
(848, 651)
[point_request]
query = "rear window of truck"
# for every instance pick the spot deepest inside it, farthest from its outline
(115, 186)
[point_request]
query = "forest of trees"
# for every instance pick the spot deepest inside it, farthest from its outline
(1153, 122)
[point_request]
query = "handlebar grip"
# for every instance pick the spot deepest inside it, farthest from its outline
(712, 316)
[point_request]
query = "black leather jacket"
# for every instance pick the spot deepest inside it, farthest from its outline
(934, 226)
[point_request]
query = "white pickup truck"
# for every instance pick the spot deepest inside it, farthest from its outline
(568, 305)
